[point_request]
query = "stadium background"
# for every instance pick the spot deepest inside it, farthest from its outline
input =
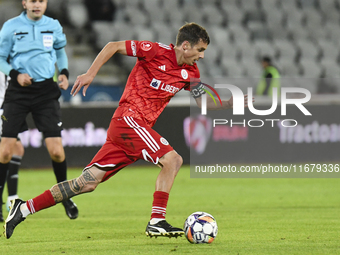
(301, 36)
(254, 215)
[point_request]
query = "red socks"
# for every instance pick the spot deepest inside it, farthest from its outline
(45, 200)
(160, 201)
(40, 202)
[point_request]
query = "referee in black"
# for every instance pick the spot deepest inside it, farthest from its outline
(34, 43)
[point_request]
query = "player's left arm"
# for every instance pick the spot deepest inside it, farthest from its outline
(59, 47)
(62, 63)
(6, 44)
(104, 55)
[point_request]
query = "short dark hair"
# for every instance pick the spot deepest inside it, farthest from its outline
(192, 33)
(267, 59)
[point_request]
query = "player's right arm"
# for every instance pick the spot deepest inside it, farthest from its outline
(104, 55)
(6, 45)
(22, 78)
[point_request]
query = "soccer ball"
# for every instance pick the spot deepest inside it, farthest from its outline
(200, 227)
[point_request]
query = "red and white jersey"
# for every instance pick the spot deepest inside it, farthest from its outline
(153, 81)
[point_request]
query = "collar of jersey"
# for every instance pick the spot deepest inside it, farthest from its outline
(24, 17)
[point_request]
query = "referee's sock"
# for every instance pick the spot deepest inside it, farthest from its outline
(3, 176)
(12, 178)
(60, 169)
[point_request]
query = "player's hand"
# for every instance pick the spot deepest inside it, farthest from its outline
(63, 81)
(83, 80)
(24, 79)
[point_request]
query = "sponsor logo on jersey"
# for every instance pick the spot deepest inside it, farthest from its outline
(184, 74)
(48, 41)
(164, 141)
(133, 48)
(155, 83)
(146, 45)
(162, 67)
(169, 88)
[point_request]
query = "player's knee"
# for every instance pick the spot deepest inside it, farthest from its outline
(179, 161)
(5, 158)
(5, 155)
(173, 160)
(57, 154)
(176, 160)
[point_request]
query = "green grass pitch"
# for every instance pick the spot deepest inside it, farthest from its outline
(254, 216)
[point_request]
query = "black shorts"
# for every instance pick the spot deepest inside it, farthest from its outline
(41, 99)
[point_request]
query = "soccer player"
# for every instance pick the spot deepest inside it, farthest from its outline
(160, 72)
(14, 163)
(33, 43)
